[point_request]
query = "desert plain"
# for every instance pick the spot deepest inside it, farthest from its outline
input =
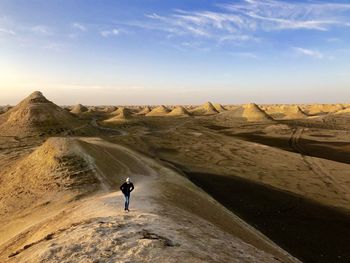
(214, 183)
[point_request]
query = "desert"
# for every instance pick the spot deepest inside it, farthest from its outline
(237, 184)
(178, 131)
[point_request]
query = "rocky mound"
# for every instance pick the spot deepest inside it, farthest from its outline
(318, 109)
(273, 109)
(144, 111)
(219, 107)
(78, 109)
(93, 109)
(121, 110)
(231, 107)
(159, 111)
(293, 112)
(122, 114)
(57, 165)
(35, 114)
(248, 112)
(109, 109)
(4, 109)
(206, 109)
(344, 111)
(252, 112)
(179, 111)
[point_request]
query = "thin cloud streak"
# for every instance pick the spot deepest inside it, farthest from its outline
(283, 15)
(79, 26)
(247, 20)
(309, 52)
(42, 30)
(109, 33)
(4, 31)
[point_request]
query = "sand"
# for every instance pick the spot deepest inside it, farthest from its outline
(219, 107)
(53, 167)
(179, 111)
(287, 112)
(36, 115)
(317, 109)
(159, 228)
(79, 109)
(158, 111)
(275, 183)
(144, 111)
(4, 109)
(248, 112)
(293, 112)
(109, 109)
(121, 110)
(206, 109)
(120, 115)
(344, 111)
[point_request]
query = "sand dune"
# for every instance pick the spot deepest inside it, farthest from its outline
(206, 109)
(316, 109)
(248, 112)
(121, 115)
(59, 197)
(36, 114)
(109, 109)
(57, 165)
(78, 109)
(121, 110)
(179, 111)
(344, 111)
(159, 111)
(231, 107)
(292, 112)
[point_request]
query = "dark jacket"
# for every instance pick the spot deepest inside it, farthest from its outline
(127, 188)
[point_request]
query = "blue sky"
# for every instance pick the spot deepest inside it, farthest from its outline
(176, 51)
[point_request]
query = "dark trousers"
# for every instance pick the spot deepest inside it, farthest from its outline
(127, 201)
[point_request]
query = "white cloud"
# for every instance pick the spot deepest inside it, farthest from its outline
(309, 52)
(42, 30)
(278, 15)
(245, 18)
(4, 31)
(79, 26)
(109, 33)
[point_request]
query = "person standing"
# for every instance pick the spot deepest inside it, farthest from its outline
(127, 188)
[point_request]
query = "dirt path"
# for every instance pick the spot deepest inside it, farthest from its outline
(317, 167)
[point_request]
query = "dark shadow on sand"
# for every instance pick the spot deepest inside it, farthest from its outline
(309, 231)
(325, 150)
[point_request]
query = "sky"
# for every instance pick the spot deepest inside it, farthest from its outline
(175, 51)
